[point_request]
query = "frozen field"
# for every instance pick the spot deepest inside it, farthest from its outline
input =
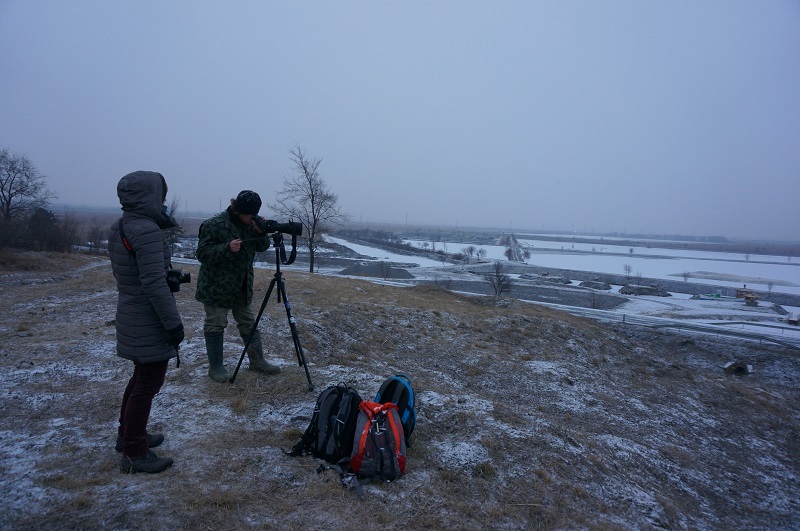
(721, 269)
(724, 269)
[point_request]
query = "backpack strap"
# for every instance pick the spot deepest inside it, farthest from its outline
(124, 238)
(348, 480)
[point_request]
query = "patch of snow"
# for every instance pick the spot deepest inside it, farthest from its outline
(461, 454)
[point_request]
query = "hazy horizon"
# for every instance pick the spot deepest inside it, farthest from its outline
(115, 210)
(621, 116)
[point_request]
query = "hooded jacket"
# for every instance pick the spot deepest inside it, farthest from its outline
(225, 279)
(146, 307)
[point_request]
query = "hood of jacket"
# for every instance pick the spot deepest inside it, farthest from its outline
(143, 193)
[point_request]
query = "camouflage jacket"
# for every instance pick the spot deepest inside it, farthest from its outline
(226, 278)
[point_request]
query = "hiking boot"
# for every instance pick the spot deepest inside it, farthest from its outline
(153, 440)
(148, 463)
(255, 352)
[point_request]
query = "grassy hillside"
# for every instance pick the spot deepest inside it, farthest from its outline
(527, 417)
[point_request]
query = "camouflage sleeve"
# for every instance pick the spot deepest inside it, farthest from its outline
(262, 244)
(213, 244)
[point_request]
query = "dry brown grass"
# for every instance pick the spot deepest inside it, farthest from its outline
(528, 417)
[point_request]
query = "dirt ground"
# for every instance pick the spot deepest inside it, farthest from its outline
(528, 417)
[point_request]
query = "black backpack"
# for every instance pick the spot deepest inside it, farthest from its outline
(330, 433)
(397, 389)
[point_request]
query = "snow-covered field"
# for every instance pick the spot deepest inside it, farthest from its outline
(724, 269)
(708, 268)
(528, 418)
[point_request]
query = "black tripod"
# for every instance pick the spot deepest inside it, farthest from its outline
(280, 256)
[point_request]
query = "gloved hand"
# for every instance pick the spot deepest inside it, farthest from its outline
(176, 335)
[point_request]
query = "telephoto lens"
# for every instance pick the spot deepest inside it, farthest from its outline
(292, 228)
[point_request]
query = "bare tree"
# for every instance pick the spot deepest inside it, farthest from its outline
(385, 269)
(686, 275)
(480, 253)
(22, 187)
(174, 234)
(306, 198)
(22, 192)
(469, 252)
(95, 235)
(770, 285)
(499, 279)
(628, 268)
(70, 230)
(526, 255)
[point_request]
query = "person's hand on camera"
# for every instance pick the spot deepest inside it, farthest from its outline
(235, 245)
(176, 335)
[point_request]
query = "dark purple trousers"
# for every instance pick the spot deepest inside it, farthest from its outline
(145, 383)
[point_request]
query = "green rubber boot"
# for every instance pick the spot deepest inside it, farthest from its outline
(214, 349)
(255, 352)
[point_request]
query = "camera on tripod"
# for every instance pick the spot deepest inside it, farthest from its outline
(292, 228)
(176, 277)
(277, 230)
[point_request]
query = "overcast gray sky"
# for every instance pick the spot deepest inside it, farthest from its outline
(679, 117)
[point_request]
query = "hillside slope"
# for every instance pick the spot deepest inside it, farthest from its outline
(527, 417)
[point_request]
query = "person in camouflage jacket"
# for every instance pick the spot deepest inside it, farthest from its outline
(226, 250)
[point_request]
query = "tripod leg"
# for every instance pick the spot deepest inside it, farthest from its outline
(301, 358)
(255, 326)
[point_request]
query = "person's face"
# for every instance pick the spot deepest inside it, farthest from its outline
(247, 219)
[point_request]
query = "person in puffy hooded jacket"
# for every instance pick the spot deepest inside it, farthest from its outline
(149, 327)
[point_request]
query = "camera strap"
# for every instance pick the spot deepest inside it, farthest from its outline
(124, 238)
(282, 251)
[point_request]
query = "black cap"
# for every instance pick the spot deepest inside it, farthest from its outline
(247, 202)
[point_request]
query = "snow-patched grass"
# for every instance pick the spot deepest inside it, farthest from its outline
(528, 417)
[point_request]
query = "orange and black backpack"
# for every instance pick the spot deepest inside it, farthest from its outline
(379, 446)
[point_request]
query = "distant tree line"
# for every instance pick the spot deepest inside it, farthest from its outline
(25, 218)
(393, 242)
(28, 222)
(382, 237)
